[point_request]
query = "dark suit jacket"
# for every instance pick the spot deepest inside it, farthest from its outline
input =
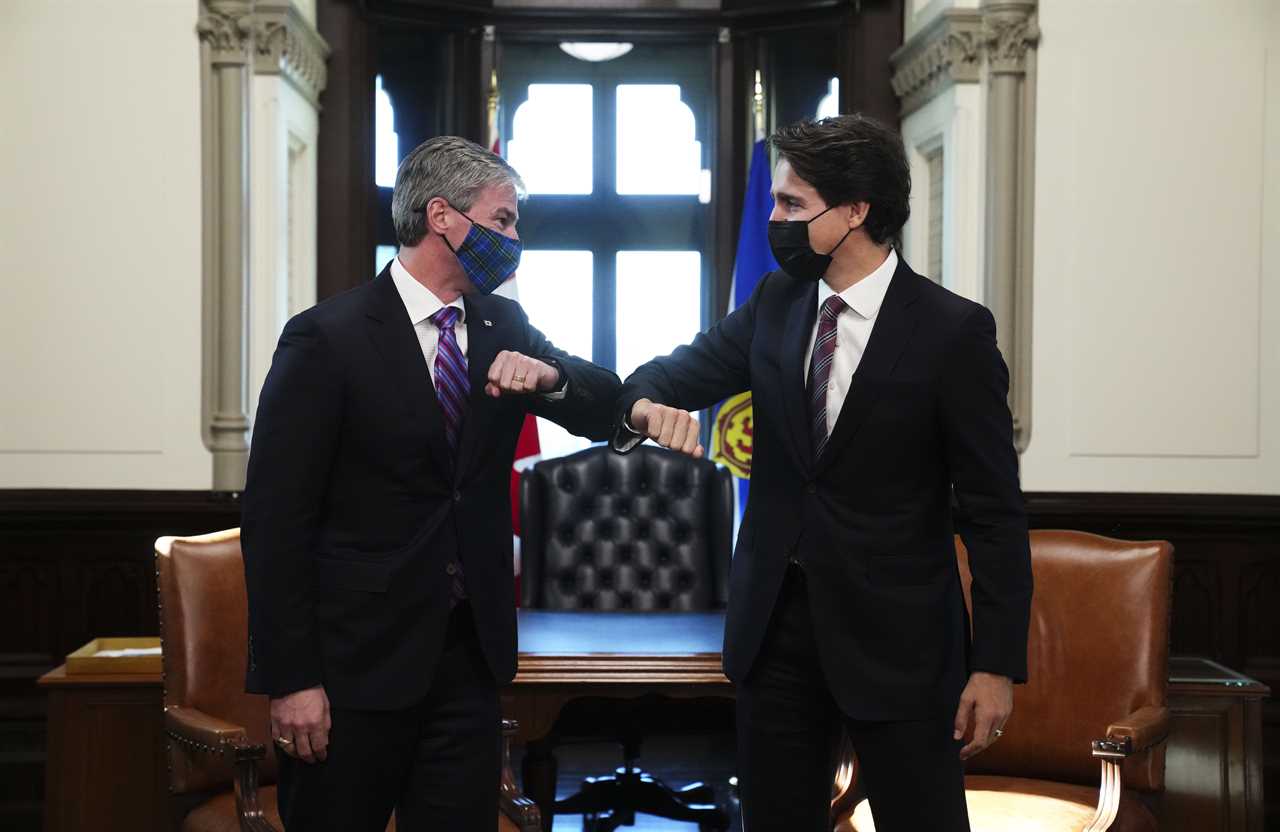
(871, 520)
(353, 507)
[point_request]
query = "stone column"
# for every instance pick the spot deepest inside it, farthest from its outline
(1010, 32)
(225, 28)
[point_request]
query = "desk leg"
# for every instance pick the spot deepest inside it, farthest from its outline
(539, 771)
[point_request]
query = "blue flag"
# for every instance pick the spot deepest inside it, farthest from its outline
(755, 258)
(731, 441)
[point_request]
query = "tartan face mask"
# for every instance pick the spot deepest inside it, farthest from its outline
(488, 257)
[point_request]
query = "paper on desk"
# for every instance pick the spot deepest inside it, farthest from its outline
(129, 651)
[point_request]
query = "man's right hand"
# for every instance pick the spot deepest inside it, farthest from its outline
(668, 426)
(302, 718)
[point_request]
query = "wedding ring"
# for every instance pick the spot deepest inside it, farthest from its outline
(282, 742)
(518, 379)
(999, 733)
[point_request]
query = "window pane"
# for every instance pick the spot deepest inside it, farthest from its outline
(550, 145)
(830, 103)
(381, 256)
(657, 151)
(386, 142)
(659, 304)
(555, 290)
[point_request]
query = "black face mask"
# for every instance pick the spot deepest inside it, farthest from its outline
(789, 240)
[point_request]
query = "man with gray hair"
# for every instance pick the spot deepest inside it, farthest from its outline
(376, 520)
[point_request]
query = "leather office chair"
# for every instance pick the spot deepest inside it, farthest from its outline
(649, 531)
(219, 743)
(1098, 671)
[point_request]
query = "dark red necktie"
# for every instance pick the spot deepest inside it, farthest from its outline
(824, 352)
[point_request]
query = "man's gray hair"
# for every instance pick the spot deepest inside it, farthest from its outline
(449, 167)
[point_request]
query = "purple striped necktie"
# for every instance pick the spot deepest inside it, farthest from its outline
(453, 388)
(824, 352)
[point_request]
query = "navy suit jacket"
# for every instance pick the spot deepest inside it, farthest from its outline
(354, 507)
(871, 519)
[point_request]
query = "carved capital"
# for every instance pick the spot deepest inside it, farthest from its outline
(946, 52)
(954, 48)
(226, 26)
(285, 43)
(1009, 31)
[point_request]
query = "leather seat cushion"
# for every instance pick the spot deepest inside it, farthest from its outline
(1015, 804)
(219, 814)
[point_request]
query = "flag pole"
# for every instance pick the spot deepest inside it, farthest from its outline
(493, 108)
(758, 106)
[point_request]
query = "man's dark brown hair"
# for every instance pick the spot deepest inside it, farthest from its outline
(852, 158)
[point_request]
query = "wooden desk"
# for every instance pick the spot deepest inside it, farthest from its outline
(1213, 766)
(106, 768)
(1214, 763)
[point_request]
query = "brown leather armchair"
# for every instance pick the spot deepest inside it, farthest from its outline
(1098, 669)
(218, 734)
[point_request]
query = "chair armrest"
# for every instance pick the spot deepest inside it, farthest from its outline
(1142, 729)
(202, 732)
(522, 811)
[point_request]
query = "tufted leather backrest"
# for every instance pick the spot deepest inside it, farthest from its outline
(204, 626)
(645, 531)
(1098, 651)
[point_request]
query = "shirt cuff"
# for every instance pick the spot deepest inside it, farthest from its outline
(556, 395)
(559, 394)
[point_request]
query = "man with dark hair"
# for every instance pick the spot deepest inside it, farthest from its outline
(878, 395)
(376, 520)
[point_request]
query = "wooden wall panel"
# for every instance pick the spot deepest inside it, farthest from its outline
(74, 565)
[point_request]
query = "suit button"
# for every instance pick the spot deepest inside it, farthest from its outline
(451, 569)
(457, 496)
(811, 489)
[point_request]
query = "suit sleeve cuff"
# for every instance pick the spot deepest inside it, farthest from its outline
(562, 388)
(625, 437)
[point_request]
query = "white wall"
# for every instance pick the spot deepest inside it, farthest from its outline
(955, 122)
(283, 236)
(100, 268)
(1156, 348)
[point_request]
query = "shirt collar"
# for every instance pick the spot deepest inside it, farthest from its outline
(420, 301)
(866, 296)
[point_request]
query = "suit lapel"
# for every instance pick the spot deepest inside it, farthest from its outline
(396, 342)
(895, 324)
(485, 337)
(795, 345)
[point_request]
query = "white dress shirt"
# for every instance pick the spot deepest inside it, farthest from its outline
(853, 330)
(422, 303)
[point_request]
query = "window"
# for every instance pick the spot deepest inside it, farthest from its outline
(615, 155)
(555, 291)
(657, 151)
(551, 139)
(386, 142)
(659, 304)
(381, 257)
(830, 103)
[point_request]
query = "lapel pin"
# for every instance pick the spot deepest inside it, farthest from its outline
(488, 323)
